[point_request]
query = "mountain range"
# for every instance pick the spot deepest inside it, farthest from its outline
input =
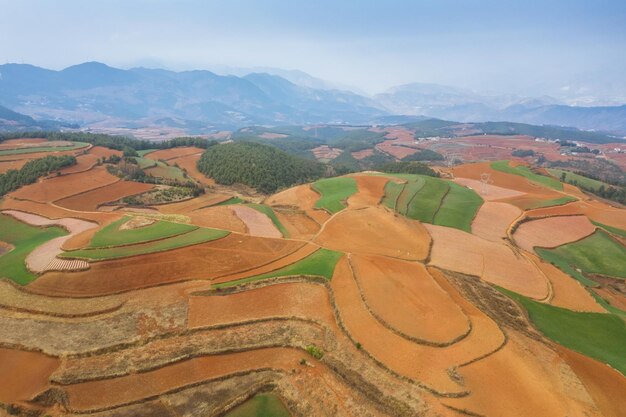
(200, 101)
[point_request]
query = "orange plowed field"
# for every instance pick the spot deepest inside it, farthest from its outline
(188, 206)
(551, 232)
(21, 143)
(218, 217)
(204, 261)
(167, 154)
(188, 163)
(297, 299)
(298, 253)
(524, 379)
(7, 165)
(102, 152)
(25, 374)
(423, 363)
(501, 179)
(83, 163)
(407, 298)
(567, 292)
(301, 196)
(110, 392)
(56, 212)
(374, 230)
(370, 191)
(257, 223)
(493, 219)
(298, 224)
(595, 210)
(57, 188)
(363, 154)
(491, 192)
(91, 200)
(492, 261)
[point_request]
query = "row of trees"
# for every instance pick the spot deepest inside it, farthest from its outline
(32, 170)
(259, 166)
(408, 168)
(113, 142)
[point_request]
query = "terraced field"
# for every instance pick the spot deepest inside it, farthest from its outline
(523, 171)
(365, 295)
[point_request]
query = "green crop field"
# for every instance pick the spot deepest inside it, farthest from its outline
(321, 262)
(111, 235)
(145, 163)
(199, 235)
(334, 191)
(392, 191)
(584, 182)
(459, 207)
(142, 153)
(597, 253)
(523, 171)
(549, 203)
(163, 170)
(17, 151)
(614, 230)
(270, 213)
(230, 201)
(427, 200)
(261, 405)
(563, 264)
(25, 239)
(600, 336)
(407, 195)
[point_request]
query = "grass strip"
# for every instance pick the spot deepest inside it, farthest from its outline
(523, 171)
(459, 207)
(549, 203)
(334, 192)
(74, 145)
(261, 405)
(611, 229)
(111, 235)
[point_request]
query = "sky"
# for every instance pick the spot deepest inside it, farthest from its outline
(491, 46)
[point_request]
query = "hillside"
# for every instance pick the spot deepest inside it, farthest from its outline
(259, 166)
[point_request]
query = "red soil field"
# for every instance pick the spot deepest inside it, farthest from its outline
(426, 364)
(298, 299)
(257, 223)
(326, 152)
(493, 262)
(83, 163)
(25, 374)
(60, 187)
(501, 179)
(188, 206)
(523, 379)
(7, 165)
(493, 219)
(91, 200)
(363, 154)
(167, 154)
(594, 210)
(301, 196)
(219, 217)
(492, 192)
(134, 387)
(371, 190)
(375, 230)
(204, 261)
(298, 253)
(392, 148)
(188, 163)
(407, 298)
(102, 152)
(605, 385)
(55, 212)
(21, 143)
(551, 232)
(567, 292)
(298, 224)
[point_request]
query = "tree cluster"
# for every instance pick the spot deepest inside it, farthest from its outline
(32, 170)
(408, 168)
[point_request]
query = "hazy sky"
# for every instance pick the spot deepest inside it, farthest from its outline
(499, 44)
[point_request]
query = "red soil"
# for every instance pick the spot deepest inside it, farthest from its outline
(501, 179)
(492, 192)
(257, 223)
(83, 163)
(524, 379)
(406, 297)
(303, 300)
(595, 210)
(301, 196)
(188, 206)
(21, 143)
(393, 148)
(91, 200)
(375, 230)
(423, 363)
(551, 232)
(492, 261)
(326, 152)
(204, 261)
(218, 217)
(7, 165)
(188, 163)
(298, 224)
(493, 219)
(291, 258)
(363, 154)
(67, 185)
(371, 190)
(25, 374)
(134, 387)
(167, 154)
(55, 212)
(567, 292)
(101, 152)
